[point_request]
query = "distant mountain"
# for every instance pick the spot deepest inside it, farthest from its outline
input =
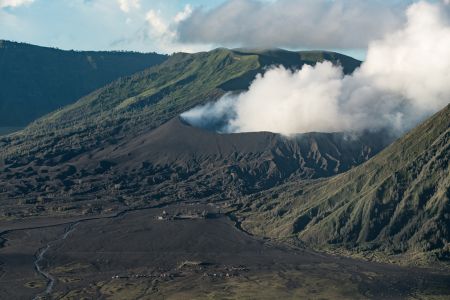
(109, 141)
(397, 202)
(37, 80)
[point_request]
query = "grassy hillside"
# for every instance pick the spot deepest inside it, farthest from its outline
(147, 99)
(72, 154)
(397, 202)
(37, 80)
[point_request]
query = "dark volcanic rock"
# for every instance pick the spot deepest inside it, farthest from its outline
(182, 162)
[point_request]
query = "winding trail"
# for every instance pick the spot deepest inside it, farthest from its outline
(50, 278)
(40, 256)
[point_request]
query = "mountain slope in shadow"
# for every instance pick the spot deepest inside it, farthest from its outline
(38, 80)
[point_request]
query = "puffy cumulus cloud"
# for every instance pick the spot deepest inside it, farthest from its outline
(184, 14)
(404, 79)
(161, 28)
(277, 94)
(162, 32)
(127, 5)
(292, 23)
(158, 27)
(14, 3)
(414, 61)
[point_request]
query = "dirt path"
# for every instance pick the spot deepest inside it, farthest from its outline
(40, 257)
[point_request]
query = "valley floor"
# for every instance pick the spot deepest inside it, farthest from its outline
(187, 251)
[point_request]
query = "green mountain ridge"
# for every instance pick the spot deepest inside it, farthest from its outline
(397, 202)
(37, 80)
(145, 100)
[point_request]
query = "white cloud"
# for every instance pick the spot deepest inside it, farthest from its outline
(341, 24)
(212, 115)
(414, 61)
(127, 5)
(163, 31)
(286, 102)
(14, 3)
(158, 26)
(184, 14)
(404, 79)
(162, 28)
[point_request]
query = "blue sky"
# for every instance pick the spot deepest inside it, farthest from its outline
(192, 25)
(88, 24)
(84, 24)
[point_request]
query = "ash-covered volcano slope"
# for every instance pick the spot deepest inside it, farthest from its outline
(105, 145)
(178, 162)
(178, 159)
(397, 202)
